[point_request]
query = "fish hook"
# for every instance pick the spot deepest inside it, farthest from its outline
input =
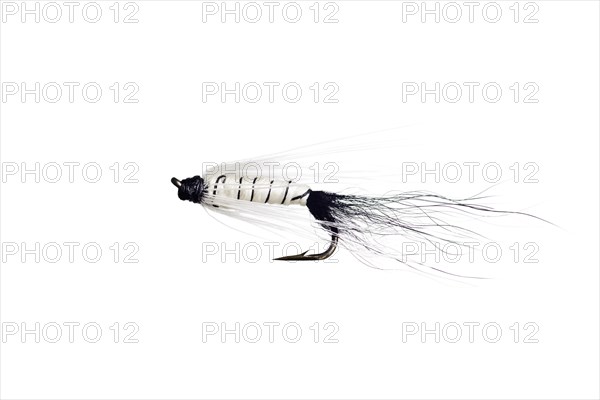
(319, 256)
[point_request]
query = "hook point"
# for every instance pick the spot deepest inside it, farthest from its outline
(320, 256)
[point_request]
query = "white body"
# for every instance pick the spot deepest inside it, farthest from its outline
(226, 187)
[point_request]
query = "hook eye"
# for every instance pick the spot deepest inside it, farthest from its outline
(176, 182)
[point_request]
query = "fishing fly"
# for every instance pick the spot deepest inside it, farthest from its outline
(360, 223)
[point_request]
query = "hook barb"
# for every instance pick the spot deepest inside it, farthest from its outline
(313, 257)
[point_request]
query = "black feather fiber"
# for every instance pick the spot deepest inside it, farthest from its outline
(365, 223)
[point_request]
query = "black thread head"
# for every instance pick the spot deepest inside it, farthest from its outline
(190, 189)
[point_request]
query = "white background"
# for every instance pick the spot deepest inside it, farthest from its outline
(170, 293)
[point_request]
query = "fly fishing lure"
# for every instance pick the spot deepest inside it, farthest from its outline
(357, 222)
